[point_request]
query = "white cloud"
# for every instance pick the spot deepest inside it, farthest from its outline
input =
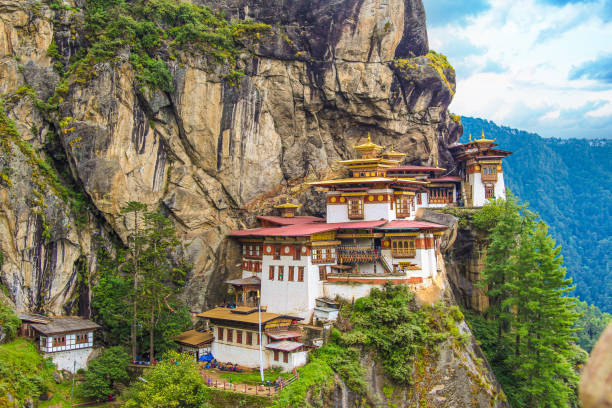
(515, 66)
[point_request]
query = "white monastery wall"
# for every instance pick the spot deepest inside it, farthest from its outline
(337, 213)
(241, 355)
(65, 360)
(500, 186)
(478, 190)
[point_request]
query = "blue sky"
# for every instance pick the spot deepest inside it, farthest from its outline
(540, 65)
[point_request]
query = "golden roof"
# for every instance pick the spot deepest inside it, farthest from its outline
(393, 153)
(356, 180)
(369, 145)
(223, 313)
(482, 139)
(287, 204)
(194, 337)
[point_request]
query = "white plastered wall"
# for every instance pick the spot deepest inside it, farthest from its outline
(71, 360)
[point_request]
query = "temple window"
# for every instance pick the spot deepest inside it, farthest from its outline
(297, 253)
(355, 208)
(271, 273)
(489, 173)
(300, 274)
(219, 333)
(419, 200)
(281, 273)
(403, 207)
(249, 338)
(82, 338)
(403, 248)
(59, 341)
(277, 252)
(489, 192)
(322, 273)
(239, 336)
(230, 335)
(291, 273)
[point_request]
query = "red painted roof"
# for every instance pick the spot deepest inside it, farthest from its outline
(287, 231)
(401, 224)
(446, 178)
(358, 224)
(306, 219)
(414, 168)
(305, 229)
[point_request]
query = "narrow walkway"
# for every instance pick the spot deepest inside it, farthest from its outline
(214, 379)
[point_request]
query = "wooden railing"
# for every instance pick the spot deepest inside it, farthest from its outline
(357, 254)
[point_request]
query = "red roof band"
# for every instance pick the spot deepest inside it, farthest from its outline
(315, 228)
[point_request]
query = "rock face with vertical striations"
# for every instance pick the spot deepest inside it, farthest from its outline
(211, 155)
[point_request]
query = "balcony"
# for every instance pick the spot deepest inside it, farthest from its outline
(356, 254)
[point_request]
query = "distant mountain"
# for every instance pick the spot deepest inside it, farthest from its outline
(569, 183)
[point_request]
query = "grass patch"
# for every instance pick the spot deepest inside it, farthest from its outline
(253, 377)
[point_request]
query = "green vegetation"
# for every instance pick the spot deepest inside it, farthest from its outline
(44, 176)
(174, 382)
(528, 333)
(9, 321)
(23, 372)
(591, 323)
(569, 183)
(437, 61)
(253, 377)
(316, 378)
(105, 373)
(144, 281)
(149, 30)
(387, 324)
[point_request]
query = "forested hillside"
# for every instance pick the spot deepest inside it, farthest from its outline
(569, 183)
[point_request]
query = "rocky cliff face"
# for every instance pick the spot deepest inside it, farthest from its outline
(210, 154)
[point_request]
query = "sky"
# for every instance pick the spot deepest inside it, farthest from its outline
(544, 66)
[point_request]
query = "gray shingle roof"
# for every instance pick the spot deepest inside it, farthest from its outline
(59, 325)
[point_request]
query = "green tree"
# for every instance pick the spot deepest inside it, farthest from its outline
(546, 317)
(533, 354)
(591, 323)
(105, 373)
(134, 212)
(503, 219)
(173, 382)
(145, 280)
(161, 278)
(9, 321)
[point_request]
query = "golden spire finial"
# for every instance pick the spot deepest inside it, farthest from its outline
(482, 135)
(369, 138)
(470, 137)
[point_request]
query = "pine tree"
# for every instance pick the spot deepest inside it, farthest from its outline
(135, 210)
(160, 277)
(546, 316)
(525, 278)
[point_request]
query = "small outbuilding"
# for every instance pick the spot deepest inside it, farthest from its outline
(68, 341)
(194, 342)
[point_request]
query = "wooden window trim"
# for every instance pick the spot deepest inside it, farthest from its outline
(249, 338)
(275, 355)
(300, 274)
(285, 357)
(239, 336)
(276, 251)
(281, 273)
(220, 333)
(355, 208)
(291, 276)
(402, 207)
(230, 335)
(271, 273)
(403, 248)
(322, 273)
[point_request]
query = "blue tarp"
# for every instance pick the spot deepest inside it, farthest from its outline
(206, 357)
